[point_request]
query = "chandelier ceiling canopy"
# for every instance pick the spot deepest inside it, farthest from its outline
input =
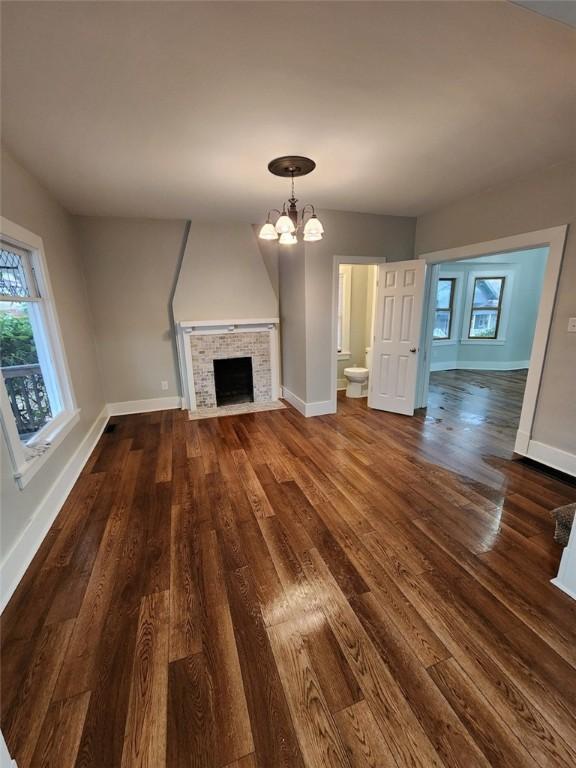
(290, 220)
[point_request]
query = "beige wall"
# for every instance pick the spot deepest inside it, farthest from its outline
(346, 234)
(130, 267)
(223, 275)
(291, 263)
(541, 200)
(26, 202)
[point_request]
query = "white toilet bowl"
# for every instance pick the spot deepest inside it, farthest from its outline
(357, 378)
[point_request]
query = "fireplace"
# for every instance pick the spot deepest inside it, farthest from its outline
(233, 380)
(203, 345)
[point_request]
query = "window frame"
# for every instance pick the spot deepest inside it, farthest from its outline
(493, 271)
(450, 308)
(343, 317)
(28, 458)
(497, 309)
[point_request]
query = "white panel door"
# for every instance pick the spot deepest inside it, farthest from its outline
(398, 316)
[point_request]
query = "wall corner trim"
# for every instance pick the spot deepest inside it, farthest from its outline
(144, 406)
(20, 556)
(319, 408)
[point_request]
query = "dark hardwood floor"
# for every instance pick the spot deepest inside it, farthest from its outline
(267, 590)
(466, 400)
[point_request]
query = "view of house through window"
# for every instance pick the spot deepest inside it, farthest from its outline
(486, 307)
(444, 308)
(20, 337)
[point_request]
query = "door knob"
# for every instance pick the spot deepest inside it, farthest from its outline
(413, 349)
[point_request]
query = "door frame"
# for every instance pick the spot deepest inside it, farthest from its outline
(368, 261)
(555, 239)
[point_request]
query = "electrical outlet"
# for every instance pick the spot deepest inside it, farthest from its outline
(164, 385)
(572, 325)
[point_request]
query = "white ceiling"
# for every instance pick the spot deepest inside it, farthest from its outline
(174, 109)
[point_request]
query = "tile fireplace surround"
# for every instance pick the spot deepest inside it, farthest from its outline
(202, 342)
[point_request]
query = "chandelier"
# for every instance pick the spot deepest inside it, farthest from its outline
(290, 221)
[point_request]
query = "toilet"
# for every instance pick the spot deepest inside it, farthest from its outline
(357, 377)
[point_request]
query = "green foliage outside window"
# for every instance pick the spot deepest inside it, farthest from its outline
(17, 341)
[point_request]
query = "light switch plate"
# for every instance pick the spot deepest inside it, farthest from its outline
(572, 325)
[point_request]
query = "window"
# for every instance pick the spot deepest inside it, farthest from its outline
(37, 405)
(19, 318)
(444, 308)
(486, 307)
(344, 297)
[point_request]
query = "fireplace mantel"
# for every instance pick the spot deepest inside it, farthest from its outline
(187, 328)
(190, 325)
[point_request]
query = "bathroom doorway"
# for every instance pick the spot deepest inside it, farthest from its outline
(353, 325)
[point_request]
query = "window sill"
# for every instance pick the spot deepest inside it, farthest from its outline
(444, 342)
(344, 355)
(493, 342)
(53, 433)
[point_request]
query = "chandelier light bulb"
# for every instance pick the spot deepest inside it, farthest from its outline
(311, 237)
(285, 225)
(287, 238)
(268, 232)
(314, 226)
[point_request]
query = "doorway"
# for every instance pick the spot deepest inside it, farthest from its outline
(483, 314)
(354, 291)
(552, 240)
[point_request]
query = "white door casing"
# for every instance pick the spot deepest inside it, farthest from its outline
(398, 318)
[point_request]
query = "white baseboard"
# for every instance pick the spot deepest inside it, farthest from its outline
(341, 384)
(457, 365)
(566, 579)
(20, 556)
(294, 400)
(144, 406)
(560, 585)
(319, 408)
(5, 760)
(552, 457)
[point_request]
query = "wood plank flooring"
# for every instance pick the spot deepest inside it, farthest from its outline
(269, 591)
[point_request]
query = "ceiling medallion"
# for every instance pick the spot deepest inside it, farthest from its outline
(290, 220)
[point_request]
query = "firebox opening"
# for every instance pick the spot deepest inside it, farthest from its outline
(233, 381)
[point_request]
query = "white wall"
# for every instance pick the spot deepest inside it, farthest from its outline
(27, 203)
(130, 267)
(543, 199)
(518, 318)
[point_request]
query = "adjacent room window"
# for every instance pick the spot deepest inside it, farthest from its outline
(444, 308)
(37, 405)
(344, 298)
(486, 307)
